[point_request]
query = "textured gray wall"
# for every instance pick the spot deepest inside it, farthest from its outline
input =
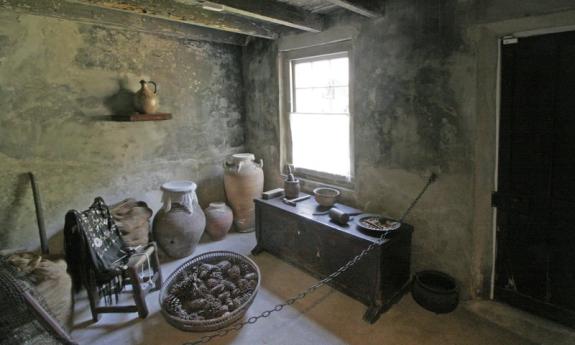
(60, 79)
(414, 112)
(409, 119)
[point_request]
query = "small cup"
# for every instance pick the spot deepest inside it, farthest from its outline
(291, 189)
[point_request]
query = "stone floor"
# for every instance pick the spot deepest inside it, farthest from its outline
(325, 317)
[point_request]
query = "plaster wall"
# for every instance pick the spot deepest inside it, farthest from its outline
(59, 82)
(424, 88)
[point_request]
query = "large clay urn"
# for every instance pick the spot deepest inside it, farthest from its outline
(180, 223)
(243, 181)
(146, 100)
(219, 218)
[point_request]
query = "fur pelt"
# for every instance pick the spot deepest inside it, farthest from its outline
(50, 279)
(132, 219)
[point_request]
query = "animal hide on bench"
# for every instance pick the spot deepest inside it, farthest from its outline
(133, 220)
(50, 279)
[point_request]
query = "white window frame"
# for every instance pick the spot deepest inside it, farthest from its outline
(287, 93)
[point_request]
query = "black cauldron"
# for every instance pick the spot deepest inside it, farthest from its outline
(435, 291)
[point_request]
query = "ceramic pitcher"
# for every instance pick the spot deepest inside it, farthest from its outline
(146, 100)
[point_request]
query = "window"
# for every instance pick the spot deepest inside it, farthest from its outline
(317, 112)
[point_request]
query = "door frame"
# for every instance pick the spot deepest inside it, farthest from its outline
(486, 149)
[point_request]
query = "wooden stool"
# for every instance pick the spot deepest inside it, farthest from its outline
(140, 289)
(99, 260)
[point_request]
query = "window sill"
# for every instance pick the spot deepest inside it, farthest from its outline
(348, 194)
(309, 183)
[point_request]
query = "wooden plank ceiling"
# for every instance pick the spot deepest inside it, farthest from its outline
(223, 21)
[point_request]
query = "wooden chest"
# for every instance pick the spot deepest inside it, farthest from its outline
(319, 246)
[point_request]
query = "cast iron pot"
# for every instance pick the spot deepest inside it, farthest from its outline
(435, 291)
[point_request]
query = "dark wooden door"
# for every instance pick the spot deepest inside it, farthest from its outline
(535, 266)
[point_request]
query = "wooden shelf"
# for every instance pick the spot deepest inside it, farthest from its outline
(142, 117)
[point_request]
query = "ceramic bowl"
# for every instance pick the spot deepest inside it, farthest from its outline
(326, 196)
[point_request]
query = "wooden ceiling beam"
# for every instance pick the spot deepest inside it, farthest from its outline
(189, 13)
(64, 9)
(268, 11)
(368, 8)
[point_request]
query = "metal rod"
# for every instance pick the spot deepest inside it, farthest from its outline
(39, 215)
(293, 202)
(431, 179)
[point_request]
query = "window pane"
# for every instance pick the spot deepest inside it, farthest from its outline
(305, 101)
(321, 142)
(321, 86)
(312, 74)
(304, 74)
(340, 71)
(321, 73)
(322, 100)
(340, 103)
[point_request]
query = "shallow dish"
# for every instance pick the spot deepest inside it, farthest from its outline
(373, 222)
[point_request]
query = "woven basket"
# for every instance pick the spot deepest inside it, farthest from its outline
(211, 324)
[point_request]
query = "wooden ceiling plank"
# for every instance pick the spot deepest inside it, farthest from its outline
(367, 8)
(273, 12)
(188, 13)
(63, 9)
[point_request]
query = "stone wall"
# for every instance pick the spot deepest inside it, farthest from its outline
(424, 101)
(59, 82)
(414, 112)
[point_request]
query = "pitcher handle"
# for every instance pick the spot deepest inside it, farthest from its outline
(232, 167)
(260, 163)
(167, 202)
(155, 86)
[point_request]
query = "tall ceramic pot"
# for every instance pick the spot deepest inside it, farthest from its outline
(180, 223)
(219, 218)
(243, 181)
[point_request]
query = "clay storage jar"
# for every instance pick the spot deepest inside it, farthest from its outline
(180, 223)
(219, 218)
(243, 181)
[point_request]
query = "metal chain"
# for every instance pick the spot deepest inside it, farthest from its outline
(294, 299)
(324, 281)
